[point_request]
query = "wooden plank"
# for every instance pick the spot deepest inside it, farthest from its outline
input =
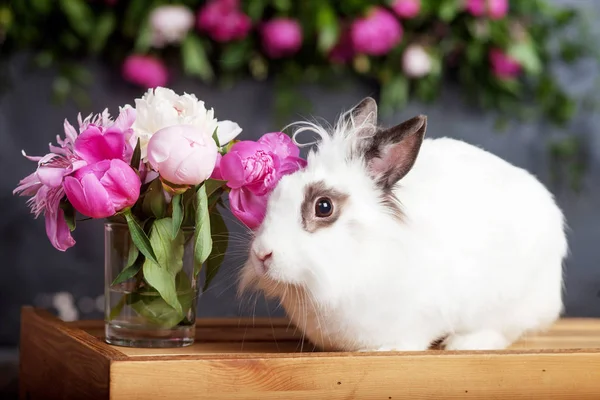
(60, 362)
(556, 375)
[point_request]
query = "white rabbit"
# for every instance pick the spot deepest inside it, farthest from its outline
(386, 241)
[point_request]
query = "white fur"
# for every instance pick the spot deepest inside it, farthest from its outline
(477, 259)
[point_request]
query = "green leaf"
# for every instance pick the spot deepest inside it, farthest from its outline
(394, 94)
(195, 60)
(282, 5)
(203, 239)
(79, 14)
(524, 52)
(212, 185)
(235, 55)
(132, 255)
(69, 212)
(137, 156)
(216, 137)
(169, 253)
(139, 237)
(154, 201)
(156, 311)
(328, 27)
(143, 40)
(255, 9)
(104, 28)
(130, 271)
(448, 10)
(219, 236)
(177, 214)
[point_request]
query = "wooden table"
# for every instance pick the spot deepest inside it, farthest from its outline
(239, 359)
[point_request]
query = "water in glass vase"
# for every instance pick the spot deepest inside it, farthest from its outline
(140, 310)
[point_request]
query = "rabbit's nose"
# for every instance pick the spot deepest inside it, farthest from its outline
(264, 260)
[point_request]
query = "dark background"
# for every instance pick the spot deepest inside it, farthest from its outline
(71, 283)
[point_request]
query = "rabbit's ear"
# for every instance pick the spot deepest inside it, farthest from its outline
(362, 119)
(394, 151)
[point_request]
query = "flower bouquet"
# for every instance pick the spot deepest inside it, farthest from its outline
(156, 174)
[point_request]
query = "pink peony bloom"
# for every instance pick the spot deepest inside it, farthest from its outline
(503, 66)
(182, 154)
(377, 33)
(102, 189)
(224, 21)
(145, 71)
(281, 37)
(253, 169)
(406, 8)
(494, 9)
(45, 185)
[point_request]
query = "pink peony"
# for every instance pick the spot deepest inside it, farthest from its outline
(377, 33)
(45, 185)
(281, 37)
(253, 169)
(406, 8)
(224, 21)
(494, 9)
(503, 66)
(182, 154)
(102, 189)
(145, 71)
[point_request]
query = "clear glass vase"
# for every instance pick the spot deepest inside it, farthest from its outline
(136, 315)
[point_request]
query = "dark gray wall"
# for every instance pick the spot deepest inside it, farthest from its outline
(71, 283)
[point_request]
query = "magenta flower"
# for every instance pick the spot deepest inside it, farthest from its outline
(253, 169)
(281, 37)
(406, 8)
(102, 189)
(145, 71)
(224, 21)
(503, 66)
(45, 185)
(494, 9)
(377, 33)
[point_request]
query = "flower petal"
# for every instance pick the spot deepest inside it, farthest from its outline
(122, 185)
(58, 231)
(280, 144)
(247, 207)
(227, 131)
(51, 176)
(93, 146)
(232, 170)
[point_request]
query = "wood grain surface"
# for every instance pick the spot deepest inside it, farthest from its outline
(262, 359)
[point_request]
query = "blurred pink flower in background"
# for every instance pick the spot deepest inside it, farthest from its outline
(102, 189)
(416, 62)
(253, 169)
(281, 37)
(377, 33)
(343, 51)
(406, 8)
(494, 9)
(145, 71)
(503, 66)
(224, 20)
(182, 154)
(170, 24)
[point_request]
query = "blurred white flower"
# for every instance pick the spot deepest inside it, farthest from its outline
(228, 130)
(170, 24)
(416, 62)
(162, 107)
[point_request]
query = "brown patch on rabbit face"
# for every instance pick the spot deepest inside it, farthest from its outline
(312, 194)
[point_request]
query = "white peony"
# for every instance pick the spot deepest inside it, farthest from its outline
(416, 62)
(228, 130)
(161, 107)
(170, 24)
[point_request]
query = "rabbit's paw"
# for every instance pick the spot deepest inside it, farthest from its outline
(480, 340)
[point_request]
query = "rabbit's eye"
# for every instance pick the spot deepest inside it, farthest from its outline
(323, 207)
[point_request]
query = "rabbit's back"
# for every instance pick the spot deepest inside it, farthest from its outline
(495, 234)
